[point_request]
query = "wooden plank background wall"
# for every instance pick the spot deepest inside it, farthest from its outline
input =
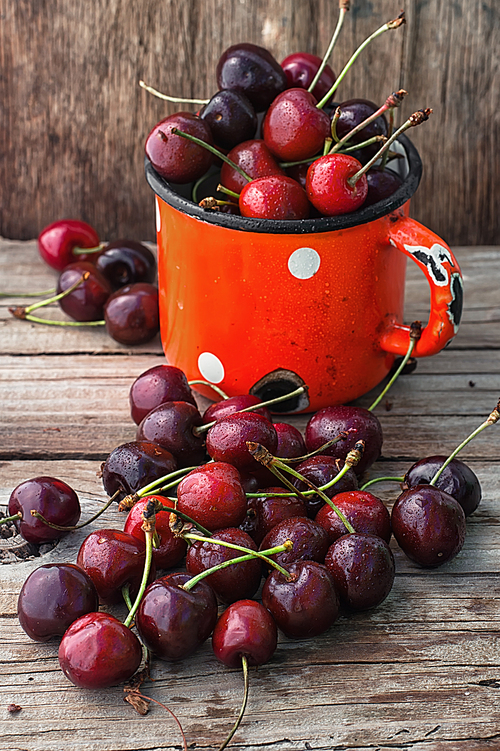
(73, 119)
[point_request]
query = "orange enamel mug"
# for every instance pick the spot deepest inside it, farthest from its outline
(247, 303)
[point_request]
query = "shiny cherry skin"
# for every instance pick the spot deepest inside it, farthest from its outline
(294, 128)
(458, 480)
(245, 629)
(53, 499)
(227, 439)
(170, 549)
(52, 597)
(265, 512)
(231, 118)
(125, 262)
(310, 541)
(381, 184)
(157, 385)
(171, 426)
(429, 525)
(254, 158)
(134, 465)
(329, 422)
(252, 70)
(362, 567)
(173, 622)
(365, 511)
(174, 157)
(132, 315)
(320, 470)
(353, 112)
(57, 241)
(237, 582)
(225, 407)
(304, 606)
(213, 496)
(300, 69)
(274, 197)
(87, 301)
(327, 185)
(113, 559)
(291, 444)
(98, 651)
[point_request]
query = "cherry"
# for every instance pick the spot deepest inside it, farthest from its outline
(213, 496)
(159, 384)
(172, 621)
(429, 525)
(227, 439)
(231, 118)
(226, 407)
(381, 184)
(310, 541)
(170, 549)
(175, 158)
(50, 497)
(245, 629)
(290, 441)
(300, 69)
(86, 302)
(52, 597)
(57, 242)
(328, 422)
(362, 567)
(320, 470)
(125, 262)
(132, 315)
(134, 465)
(457, 479)
(306, 604)
(274, 197)
(252, 70)
(294, 128)
(266, 511)
(365, 511)
(98, 651)
(254, 158)
(355, 111)
(171, 426)
(328, 187)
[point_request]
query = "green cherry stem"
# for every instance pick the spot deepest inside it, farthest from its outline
(167, 98)
(393, 100)
(148, 527)
(77, 251)
(126, 596)
(55, 298)
(228, 192)
(415, 334)
(333, 126)
(386, 27)
(244, 665)
(108, 503)
(492, 419)
(214, 203)
(374, 139)
(344, 6)
(130, 500)
(299, 459)
(13, 518)
(212, 386)
(381, 479)
(28, 294)
(215, 151)
(390, 131)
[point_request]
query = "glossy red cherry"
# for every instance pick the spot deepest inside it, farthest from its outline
(171, 426)
(327, 185)
(157, 385)
(294, 128)
(175, 158)
(50, 497)
(245, 629)
(132, 314)
(274, 197)
(169, 549)
(134, 465)
(254, 158)
(125, 262)
(227, 407)
(98, 651)
(458, 480)
(291, 444)
(300, 69)
(213, 496)
(227, 439)
(365, 511)
(252, 70)
(57, 241)
(86, 302)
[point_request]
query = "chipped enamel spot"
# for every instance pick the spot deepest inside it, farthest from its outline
(455, 305)
(211, 367)
(158, 216)
(304, 263)
(434, 258)
(393, 243)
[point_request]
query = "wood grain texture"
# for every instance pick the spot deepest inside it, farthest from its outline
(74, 121)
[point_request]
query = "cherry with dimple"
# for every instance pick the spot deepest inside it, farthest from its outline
(51, 498)
(87, 300)
(57, 241)
(231, 118)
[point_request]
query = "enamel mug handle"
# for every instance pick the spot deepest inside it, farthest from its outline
(440, 267)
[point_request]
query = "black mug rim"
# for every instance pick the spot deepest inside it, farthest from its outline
(164, 190)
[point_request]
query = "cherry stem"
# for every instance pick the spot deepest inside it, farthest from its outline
(35, 319)
(136, 692)
(415, 334)
(194, 192)
(15, 517)
(214, 204)
(248, 556)
(386, 27)
(77, 251)
(390, 131)
(55, 298)
(381, 479)
(208, 147)
(244, 665)
(344, 6)
(126, 596)
(253, 407)
(298, 459)
(394, 100)
(492, 419)
(374, 139)
(333, 125)
(28, 294)
(108, 503)
(212, 386)
(148, 527)
(186, 518)
(228, 192)
(167, 98)
(415, 119)
(130, 500)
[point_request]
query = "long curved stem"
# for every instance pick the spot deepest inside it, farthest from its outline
(174, 99)
(415, 334)
(344, 7)
(244, 665)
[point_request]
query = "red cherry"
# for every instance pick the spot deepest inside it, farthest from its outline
(170, 549)
(327, 185)
(132, 314)
(245, 629)
(254, 158)
(176, 158)
(86, 302)
(294, 128)
(300, 69)
(274, 197)
(226, 407)
(365, 511)
(213, 496)
(57, 241)
(159, 384)
(53, 499)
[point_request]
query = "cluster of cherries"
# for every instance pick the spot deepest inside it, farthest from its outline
(110, 284)
(287, 151)
(234, 496)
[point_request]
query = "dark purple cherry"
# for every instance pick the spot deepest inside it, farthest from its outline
(290, 442)
(310, 540)
(159, 384)
(363, 510)
(171, 426)
(52, 597)
(132, 315)
(253, 71)
(125, 262)
(227, 439)
(429, 525)
(457, 479)
(245, 629)
(265, 512)
(134, 465)
(86, 302)
(362, 567)
(174, 157)
(320, 470)
(381, 184)
(353, 112)
(231, 118)
(213, 496)
(98, 651)
(305, 605)
(173, 622)
(300, 69)
(226, 407)
(53, 499)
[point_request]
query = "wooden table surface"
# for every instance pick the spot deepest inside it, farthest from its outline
(420, 672)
